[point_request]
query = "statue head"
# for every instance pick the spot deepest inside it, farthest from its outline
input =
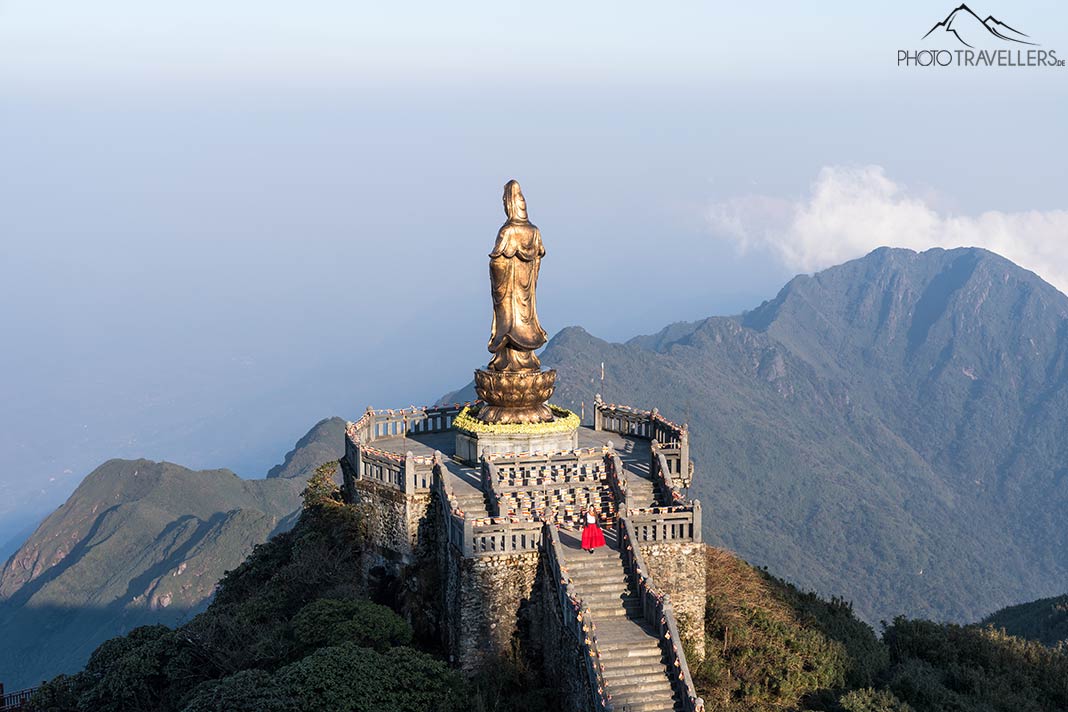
(515, 207)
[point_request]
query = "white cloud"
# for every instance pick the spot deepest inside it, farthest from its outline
(851, 211)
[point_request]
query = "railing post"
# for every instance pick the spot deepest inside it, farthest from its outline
(684, 455)
(697, 521)
(408, 483)
(469, 537)
(598, 418)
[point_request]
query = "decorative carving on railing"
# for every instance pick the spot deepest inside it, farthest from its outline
(577, 620)
(658, 612)
(531, 470)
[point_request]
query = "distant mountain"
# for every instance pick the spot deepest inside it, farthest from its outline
(970, 30)
(890, 430)
(1045, 620)
(139, 542)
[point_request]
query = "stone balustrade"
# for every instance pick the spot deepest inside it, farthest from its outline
(663, 467)
(616, 478)
(557, 486)
(483, 536)
(403, 472)
(677, 523)
(577, 619)
(673, 439)
(659, 613)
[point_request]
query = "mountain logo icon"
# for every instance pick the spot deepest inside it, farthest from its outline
(970, 30)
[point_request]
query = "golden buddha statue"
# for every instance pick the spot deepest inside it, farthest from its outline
(514, 265)
(513, 386)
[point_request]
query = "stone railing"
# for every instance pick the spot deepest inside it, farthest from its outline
(558, 486)
(17, 700)
(664, 467)
(658, 613)
(673, 438)
(616, 477)
(679, 523)
(483, 536)
(530, 470)
(577, 620)
(408, 473)
(396, 423)
(490, 486)
(405, 472)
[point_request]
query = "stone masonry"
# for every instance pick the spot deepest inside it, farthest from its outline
(510, 578)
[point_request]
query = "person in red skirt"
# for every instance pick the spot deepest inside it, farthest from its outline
(592, 536)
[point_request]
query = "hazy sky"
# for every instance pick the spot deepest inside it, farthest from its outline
(221, 222)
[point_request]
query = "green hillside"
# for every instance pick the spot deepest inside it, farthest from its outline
(138, 543)
(292, 630)
(1045, 620)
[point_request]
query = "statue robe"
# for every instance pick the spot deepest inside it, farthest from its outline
(514, 265)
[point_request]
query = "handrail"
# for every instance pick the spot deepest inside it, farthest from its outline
(616, 477)
(679, 523)
(581, 626)
(645, 424)
(12, 701)
(484, 536)
(489, 486)
(659, 613)
(661, 473)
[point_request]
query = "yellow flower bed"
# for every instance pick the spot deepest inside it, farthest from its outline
(565, 421)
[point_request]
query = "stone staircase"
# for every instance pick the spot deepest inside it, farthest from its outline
(468, 497)
(634, 670)
(473, 504)
(641, 490)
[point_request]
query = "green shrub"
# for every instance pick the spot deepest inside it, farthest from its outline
(330, 621)
(869, 700)
(341, 677)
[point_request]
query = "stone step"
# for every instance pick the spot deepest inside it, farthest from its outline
(607, 603)
(634, 675)
(659, 692)
(603, 600)
(626, 653)
(637, 705)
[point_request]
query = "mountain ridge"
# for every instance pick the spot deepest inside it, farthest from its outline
(866, 423)
(140, 542)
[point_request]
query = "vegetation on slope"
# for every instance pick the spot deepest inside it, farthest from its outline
(290, 630)
(1044, 620)
(771, 647)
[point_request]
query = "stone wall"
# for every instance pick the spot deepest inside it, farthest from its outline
(552, 646)
(678, 569)
(483, 598)
(392, 517)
